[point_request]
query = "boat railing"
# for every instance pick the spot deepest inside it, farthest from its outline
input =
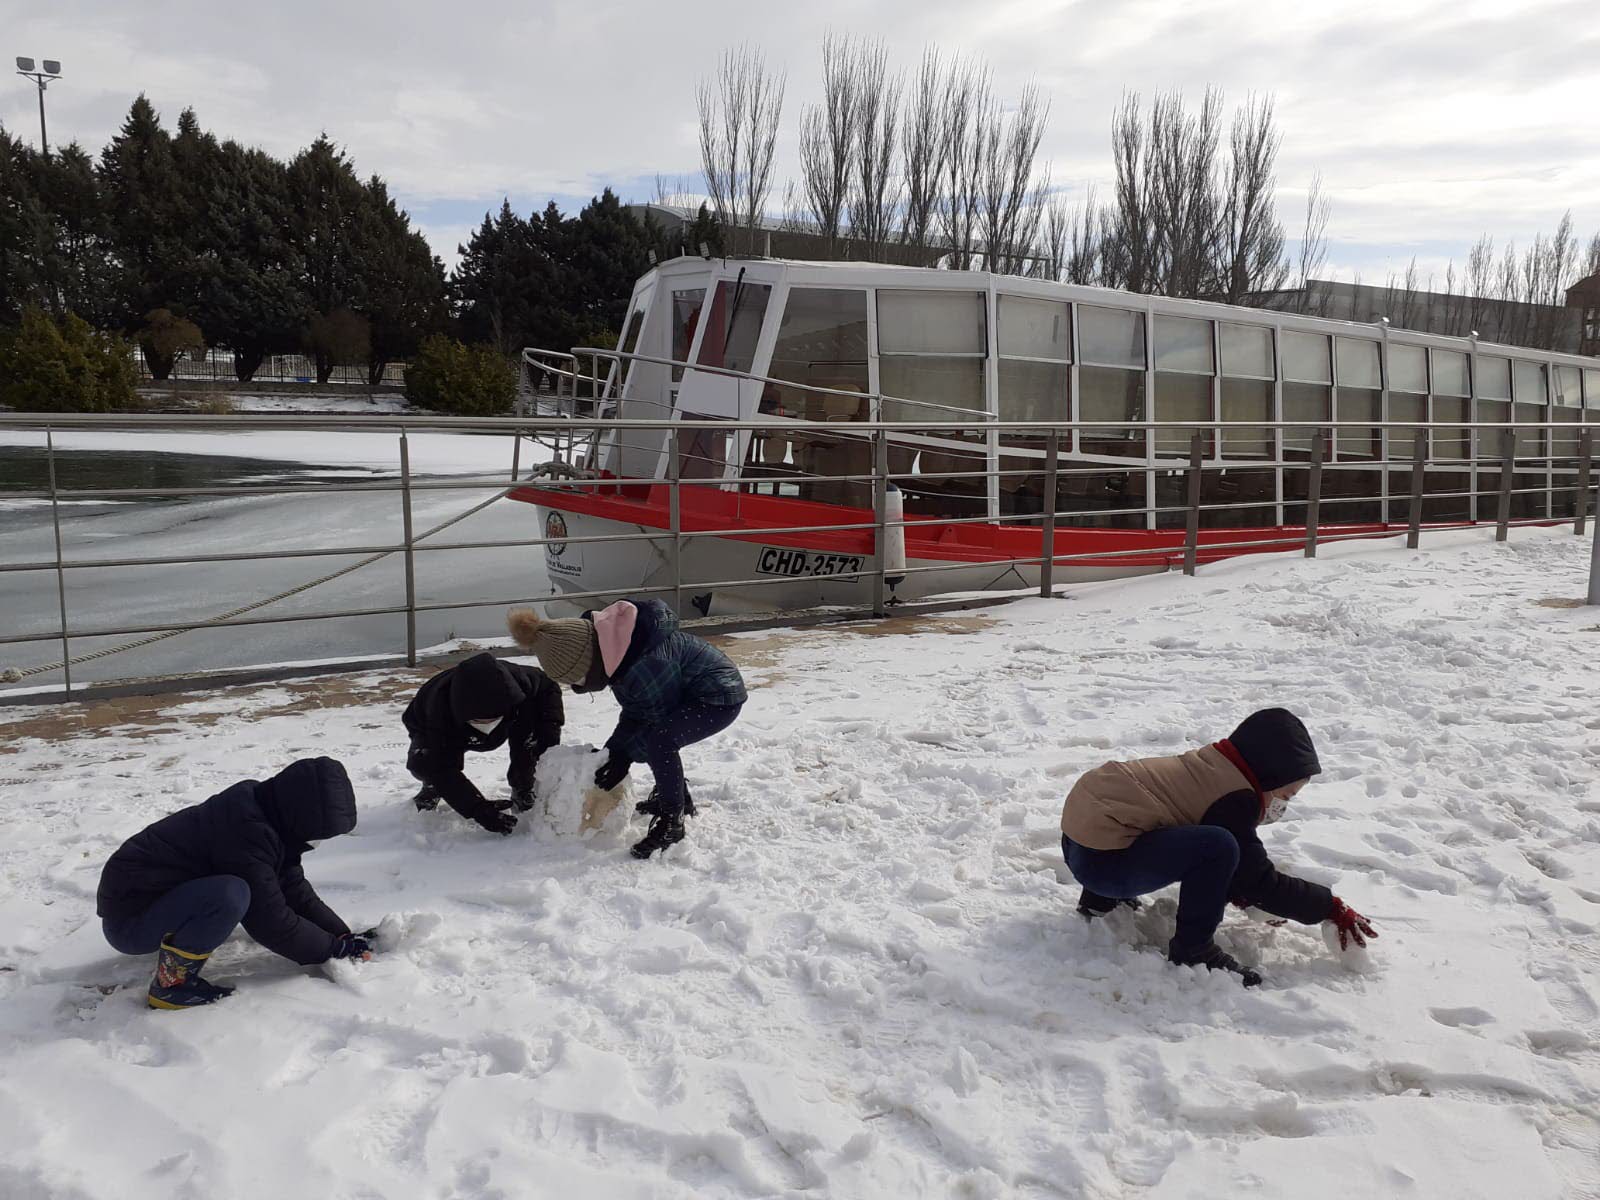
(1188, 519)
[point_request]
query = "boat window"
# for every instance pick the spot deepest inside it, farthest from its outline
(1528, 379)
(1040, 329)
(931, 351)
(1452, 375)
(630, 335)
(1307, 372)
(1567, 412)
(1494, 377)
(1359, 397)
(704, 452)
(1184, 344)
(1247, 390)
(821, 342)
(1530, 388)
(1305, 357)
(1591, 389)
(1411, 407)
(685, 320)
(1110, 394)
(1357, 361)
(1185, 362)
(1408, 369)
(931, 323)
(1569, 392)
(1111, 337)
(1035, 375)
(1247, 351)
(734, 325)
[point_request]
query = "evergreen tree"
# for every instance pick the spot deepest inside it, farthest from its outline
(251, 298)
(24, 232)
(77, 263)
(608, 249)
(405, 285)
(148, 223)
(327, 202)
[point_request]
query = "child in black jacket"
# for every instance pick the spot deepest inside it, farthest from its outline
(181, 885)
(480, 705)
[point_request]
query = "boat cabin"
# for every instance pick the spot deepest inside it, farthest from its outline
(960, 350)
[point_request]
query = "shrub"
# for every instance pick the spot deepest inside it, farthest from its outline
(49, 365)
(469, 381)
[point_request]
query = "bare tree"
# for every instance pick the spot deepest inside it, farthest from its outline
(1478, 282)
(1010, 198)
(966, 95)
(923, 144)
(1251, 235)
(1591, 257)
(739, 112)
(1085, 242)
(1314, 243)
(826, 133)
(875, 194)
(1128, 233)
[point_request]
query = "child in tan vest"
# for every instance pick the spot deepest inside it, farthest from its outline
(1131, 828)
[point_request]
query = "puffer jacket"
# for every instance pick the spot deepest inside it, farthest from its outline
(1223, 784)
(256, 830)
(665, 669)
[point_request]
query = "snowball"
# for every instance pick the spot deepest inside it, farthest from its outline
(568, 802)
(1352, 957)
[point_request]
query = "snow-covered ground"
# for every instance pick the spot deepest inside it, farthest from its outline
(861, 975)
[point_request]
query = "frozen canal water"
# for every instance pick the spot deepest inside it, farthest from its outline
(132, 596)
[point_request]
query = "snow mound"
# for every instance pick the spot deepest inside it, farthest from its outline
(569, 804)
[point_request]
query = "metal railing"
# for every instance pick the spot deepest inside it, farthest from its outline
(1567, 482)
(218, 367)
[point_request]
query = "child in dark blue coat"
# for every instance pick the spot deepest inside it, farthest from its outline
(181, 885)
(674, 689)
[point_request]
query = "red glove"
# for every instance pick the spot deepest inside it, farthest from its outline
(1350, 924)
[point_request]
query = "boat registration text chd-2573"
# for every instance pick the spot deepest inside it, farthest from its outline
(784, 560)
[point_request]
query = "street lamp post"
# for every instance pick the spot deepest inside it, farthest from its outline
(47, 70)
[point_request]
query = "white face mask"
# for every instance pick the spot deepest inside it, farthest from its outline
(1275, 809)
(487, 725)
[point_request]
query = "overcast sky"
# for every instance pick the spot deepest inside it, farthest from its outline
(1431, 120)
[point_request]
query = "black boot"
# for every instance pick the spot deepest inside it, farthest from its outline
(1093, 904)
(1215, 958)
(651, 805)
(427, 799)
(664, 831)
(177, 982)
(522, 800)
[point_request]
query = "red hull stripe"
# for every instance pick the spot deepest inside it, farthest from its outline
(927, 538)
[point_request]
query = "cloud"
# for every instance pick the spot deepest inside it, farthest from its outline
(1431, 120)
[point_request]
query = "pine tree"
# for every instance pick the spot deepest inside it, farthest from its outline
(404, 283)
(145, 200)
(327, 201)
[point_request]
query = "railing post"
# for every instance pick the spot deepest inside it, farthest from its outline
(1508, 462)
(880, 510)
(61, 575)
(1585, 465)
(1419, 475)
(1047, 534)
(1191, 533)
(675, 515)
(411, 574)
(516, 453)
(1314, 493)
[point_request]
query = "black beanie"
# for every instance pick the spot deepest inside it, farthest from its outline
(1277, 748)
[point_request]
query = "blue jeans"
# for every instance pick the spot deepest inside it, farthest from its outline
(196, 916)
(658, 746)
(1202, 858)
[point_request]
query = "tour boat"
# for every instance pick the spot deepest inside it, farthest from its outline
(784, 517)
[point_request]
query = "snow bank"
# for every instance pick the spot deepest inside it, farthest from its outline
(861, 974)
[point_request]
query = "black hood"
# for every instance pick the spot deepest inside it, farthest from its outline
(309, 800)
(1277, 748)
(482, 688)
